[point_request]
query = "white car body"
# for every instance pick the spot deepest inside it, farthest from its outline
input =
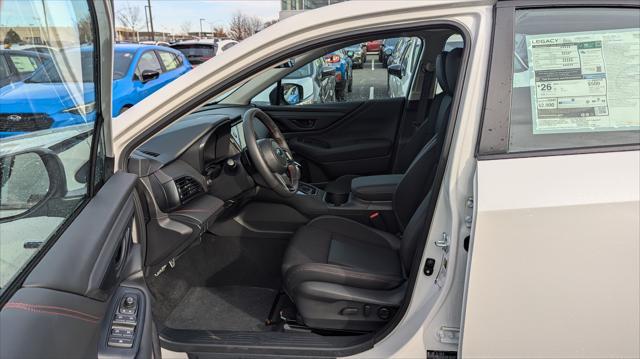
(567, 288)
(553, 267)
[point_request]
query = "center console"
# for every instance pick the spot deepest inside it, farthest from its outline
(368, 202)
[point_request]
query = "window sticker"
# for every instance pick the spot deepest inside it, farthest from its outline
(23, 64)
(585, 81)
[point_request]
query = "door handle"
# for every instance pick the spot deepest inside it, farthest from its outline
(304, 123)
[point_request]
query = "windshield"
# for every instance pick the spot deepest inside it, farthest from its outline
(391, 42)
(355, 47)
(50, 71)
(121, 62)
(304, 71)
(196, 52)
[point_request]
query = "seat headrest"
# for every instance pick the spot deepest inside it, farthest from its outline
(447, 68)
(441, 74)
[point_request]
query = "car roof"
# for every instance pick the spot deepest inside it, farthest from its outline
(201, 41)
(135, 47)
(24, 52)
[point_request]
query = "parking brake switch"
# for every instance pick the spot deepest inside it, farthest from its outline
(124, 323)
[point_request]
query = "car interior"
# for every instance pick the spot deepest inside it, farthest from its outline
(293, 226)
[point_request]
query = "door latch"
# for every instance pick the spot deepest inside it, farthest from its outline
(449, 335)
(444, 242)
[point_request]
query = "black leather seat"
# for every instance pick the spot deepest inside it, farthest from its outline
(342, 184)
(342, 274)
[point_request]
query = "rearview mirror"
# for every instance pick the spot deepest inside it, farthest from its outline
(28, 180)
(328, 71)
(395, 70)
(148, 75)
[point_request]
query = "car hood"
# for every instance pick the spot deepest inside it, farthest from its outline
(44, 139)
(25, 97)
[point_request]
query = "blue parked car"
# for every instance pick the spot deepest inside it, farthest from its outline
(344, 72)
(43, 101)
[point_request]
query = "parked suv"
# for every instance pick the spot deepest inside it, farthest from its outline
(344, 72)
(199, 51)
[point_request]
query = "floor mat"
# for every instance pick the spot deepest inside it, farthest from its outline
(237, 308)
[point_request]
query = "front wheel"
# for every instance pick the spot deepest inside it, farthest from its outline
(350, 87)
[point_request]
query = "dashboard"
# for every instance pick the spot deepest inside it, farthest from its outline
(193, 172)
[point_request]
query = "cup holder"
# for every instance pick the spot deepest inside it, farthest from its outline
(336, 199)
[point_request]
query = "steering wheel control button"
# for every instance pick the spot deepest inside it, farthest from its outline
(118, 342)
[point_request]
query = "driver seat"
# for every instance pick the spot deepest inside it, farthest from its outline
(344, 275)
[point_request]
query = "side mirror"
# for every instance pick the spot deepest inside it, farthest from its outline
(28, 179)
(290, 94)
(350, 54)
(388, 51)
(395, 70)
(328, 71)
(148, 75)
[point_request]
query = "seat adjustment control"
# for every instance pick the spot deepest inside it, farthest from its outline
(384, 313)
(349, 311)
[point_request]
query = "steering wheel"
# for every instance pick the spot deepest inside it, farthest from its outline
(271, 156)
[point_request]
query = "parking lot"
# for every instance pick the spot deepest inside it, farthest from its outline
(369, 82)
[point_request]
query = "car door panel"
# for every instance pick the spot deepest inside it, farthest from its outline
(79, 281)
(343, 138)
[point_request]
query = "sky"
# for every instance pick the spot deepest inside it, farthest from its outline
(169, 15)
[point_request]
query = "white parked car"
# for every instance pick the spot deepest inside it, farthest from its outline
(157, 43)
(497, 217)
(201, 50)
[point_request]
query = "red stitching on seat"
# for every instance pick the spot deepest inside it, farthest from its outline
(61, 311)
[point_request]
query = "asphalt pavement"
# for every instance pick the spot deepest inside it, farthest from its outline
(369, 82)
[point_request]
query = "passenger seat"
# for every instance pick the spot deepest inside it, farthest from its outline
(344, 275)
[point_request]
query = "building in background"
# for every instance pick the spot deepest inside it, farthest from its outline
(292, 7)
(58, 36)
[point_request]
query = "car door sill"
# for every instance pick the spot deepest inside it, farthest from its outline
(297, 344)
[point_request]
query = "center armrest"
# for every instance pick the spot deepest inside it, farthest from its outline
(375, 188)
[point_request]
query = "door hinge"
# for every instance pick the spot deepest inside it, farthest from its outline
(443, 242)
(449, 335)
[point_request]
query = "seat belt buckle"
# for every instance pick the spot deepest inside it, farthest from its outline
(377, 221)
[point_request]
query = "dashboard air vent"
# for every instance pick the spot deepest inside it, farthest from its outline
(187, 188)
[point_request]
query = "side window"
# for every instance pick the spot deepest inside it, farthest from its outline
(148, 61)
(576, 79)
(46, 127)
(24, 64)
(169, 60)
(401, 71)
(354, 73)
